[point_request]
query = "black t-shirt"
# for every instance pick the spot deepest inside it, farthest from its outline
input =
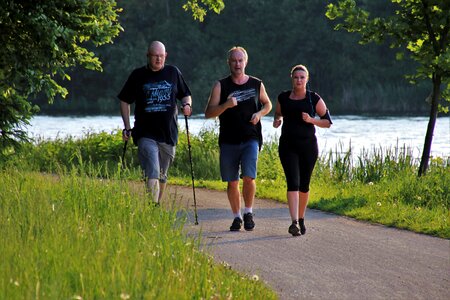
(235, 126)
(155, 95)
(293, 125)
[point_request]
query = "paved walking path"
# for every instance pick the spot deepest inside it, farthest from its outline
(338, 258)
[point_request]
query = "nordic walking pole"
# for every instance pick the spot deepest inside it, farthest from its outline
(192, 169)
(124, 150)
(123, 154)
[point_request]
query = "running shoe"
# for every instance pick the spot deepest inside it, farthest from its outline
(302, 226)
(294, 230)
(237, 223)
(249, 224)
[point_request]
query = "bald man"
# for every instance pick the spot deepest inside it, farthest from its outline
(155, 89)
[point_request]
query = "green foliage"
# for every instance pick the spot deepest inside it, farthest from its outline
(352, 79)
(421, 28)
(199, 9)
(15, 112)
(72, 237)
(40, 41)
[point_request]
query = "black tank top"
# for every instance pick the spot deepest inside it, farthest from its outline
(293, 125)
(235, 126)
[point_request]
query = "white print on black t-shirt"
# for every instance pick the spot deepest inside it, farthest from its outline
(157, 96)
(244, 95)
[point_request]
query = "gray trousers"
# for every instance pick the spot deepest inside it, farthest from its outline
(155, 158)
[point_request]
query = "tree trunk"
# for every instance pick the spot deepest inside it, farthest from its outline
(431, 124)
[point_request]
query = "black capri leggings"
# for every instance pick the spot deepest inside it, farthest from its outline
(298, 158)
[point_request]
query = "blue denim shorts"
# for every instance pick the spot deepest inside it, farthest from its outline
(155, 158)
(240, 157)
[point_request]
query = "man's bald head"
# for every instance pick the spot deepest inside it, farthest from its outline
(156, 46)
(156, 55)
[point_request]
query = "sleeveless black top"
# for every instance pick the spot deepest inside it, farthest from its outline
(293, 125)
(235, 126)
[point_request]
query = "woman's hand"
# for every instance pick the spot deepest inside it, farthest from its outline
(307, 118)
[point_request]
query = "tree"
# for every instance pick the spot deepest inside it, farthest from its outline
(42, 41)
(419, 28)
(342, 71)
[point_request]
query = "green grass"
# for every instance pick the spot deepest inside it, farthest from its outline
(383, 204)
(343, 182)
(71, 227)
(70, 236)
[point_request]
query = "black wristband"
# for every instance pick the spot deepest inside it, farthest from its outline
(126, 131)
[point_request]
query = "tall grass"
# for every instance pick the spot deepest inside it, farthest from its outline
(368, 166)
(74, 237)
(343, 182)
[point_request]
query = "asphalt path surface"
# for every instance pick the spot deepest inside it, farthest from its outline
(337, 258)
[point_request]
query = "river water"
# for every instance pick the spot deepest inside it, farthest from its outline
(347, 131)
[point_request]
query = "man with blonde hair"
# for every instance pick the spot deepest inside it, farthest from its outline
(240, 101)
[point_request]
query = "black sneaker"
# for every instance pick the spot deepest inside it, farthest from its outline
(294, 230)
(248, 222)
(302, 226)
(237, 223)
